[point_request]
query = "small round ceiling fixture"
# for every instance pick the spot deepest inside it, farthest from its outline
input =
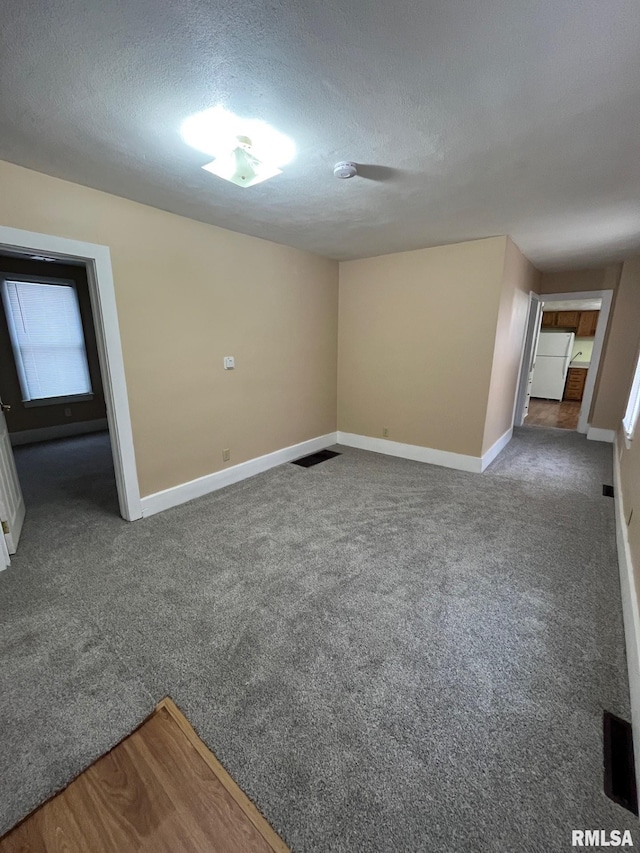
(345, 169)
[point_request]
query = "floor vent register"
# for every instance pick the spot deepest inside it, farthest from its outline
(315, 458)
(619, 765)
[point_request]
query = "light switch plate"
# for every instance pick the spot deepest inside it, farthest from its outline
(229, 362)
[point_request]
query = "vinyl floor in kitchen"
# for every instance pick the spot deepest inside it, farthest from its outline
(549, 413)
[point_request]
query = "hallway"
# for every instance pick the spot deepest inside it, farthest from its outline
(383, 654)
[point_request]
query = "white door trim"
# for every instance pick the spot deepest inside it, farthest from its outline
(526, 358)
(418, 453)
(5, 559)
(598, 434)
(105, 318)
(180, 494)
(12, 508)
(630, 612)
(598, 342)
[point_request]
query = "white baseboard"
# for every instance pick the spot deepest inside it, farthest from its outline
(412, 451)
(630, 610)
(177, 495)
(30, 436)
(494, 450)
(597, 434)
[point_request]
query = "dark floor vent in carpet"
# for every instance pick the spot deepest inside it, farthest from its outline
(607, 491)
(619, 766)
(315, 458)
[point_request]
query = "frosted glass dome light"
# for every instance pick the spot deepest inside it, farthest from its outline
(246, 151)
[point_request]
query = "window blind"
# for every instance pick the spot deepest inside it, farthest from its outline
(48, 341)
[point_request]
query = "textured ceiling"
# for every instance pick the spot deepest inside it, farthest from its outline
(469, 119)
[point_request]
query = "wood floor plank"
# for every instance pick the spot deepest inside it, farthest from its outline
(25, 839)
(208, 808)
(120, 803)
(60, 831)
(549, 413)
(272, 838)
(54, 830)
(159, 791)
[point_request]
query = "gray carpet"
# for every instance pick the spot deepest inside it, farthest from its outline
(385, 655)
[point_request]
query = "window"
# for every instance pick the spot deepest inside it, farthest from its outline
(630, 419)
(48, 342)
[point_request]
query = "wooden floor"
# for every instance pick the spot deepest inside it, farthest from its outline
(548, 413)
(159, 791)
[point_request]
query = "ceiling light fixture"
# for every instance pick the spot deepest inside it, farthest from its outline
(241, 167)
(246, 151)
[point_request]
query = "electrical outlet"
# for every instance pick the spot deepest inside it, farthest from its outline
(226, 454)
(385, 431)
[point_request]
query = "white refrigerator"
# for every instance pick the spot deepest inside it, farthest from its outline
(552, 362)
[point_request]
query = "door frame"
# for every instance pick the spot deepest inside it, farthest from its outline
(528, 354)
(5, 559)
(97, 260)
(598, 344)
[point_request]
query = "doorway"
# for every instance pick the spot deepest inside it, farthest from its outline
(562, 350)
(108, 373)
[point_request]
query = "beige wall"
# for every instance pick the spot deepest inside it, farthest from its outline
(520, 277)
(573, 281)
(623, 336)
(630, 482)
(187, 295)
(429, 342)
(416, 344)
(609, 394)
(38, 417)
(614, 381)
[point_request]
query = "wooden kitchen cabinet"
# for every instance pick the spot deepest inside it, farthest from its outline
(583, 323)
(587, 324)
(574, 387)
(567, 319)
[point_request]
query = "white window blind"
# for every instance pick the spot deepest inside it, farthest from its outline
(48, 341)
(630, 419)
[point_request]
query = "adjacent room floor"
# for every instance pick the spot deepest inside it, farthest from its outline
(549, 413)
(385, 655)
(160, 790)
